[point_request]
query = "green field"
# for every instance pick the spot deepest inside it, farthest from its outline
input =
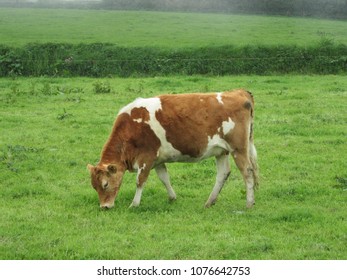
(159, 29)
(51, 128)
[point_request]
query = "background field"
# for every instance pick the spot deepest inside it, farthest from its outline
(165, 30)
(72, 43)
(51, 128)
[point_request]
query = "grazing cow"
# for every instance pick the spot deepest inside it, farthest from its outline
(150, 132)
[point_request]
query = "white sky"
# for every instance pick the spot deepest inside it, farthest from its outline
(63, 0)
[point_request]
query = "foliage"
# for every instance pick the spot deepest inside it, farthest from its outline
(101, 60)
(102, 87)
(10, 63)
(47, 200)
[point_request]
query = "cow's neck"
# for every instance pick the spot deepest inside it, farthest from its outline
(111, 152)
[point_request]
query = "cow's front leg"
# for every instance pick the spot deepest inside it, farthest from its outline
(142, 175)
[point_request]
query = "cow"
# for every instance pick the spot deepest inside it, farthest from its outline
(150, 132)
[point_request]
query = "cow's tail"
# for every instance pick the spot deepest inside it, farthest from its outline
(252, 150)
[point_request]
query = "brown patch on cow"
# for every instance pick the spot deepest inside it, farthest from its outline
(190, 119)
(131, 141)
(140, 113)
(184, 118)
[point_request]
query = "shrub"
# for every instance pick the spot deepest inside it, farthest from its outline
(102, 87)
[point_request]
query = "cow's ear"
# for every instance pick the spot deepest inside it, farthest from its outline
(90, 168)
(112, 168)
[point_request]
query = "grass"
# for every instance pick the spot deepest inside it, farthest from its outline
(52, 127)
(159, 29)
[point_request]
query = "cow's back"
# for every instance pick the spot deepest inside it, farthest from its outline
(191, 121)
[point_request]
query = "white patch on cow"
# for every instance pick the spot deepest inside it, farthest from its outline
(137, 197)
(219, 97)
(216, 146)
(139, 170)
(151, 104)
(228, 126)
(104, 183)
(138, 120)
(166, 151)
(252, 151)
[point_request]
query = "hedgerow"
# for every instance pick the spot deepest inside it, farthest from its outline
(101, 60)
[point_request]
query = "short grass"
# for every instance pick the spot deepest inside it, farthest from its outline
(159, 29)
(51, 128)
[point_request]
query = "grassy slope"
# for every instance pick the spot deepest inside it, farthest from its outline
(49, 211)
(131, 29)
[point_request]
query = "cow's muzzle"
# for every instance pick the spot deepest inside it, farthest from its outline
(106, 206)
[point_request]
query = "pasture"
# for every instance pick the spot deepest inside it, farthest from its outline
(19, 27)
(51, 128)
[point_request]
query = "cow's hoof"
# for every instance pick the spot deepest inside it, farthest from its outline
(250, 204)
(209, 204)
(134, 205)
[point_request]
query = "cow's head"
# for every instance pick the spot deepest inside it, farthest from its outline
(106, 180)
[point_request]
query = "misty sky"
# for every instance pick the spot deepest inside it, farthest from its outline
(62, 0)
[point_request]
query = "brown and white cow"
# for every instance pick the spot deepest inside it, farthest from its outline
(150, 132)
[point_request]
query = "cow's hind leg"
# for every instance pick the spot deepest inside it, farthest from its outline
(248, 172)
(165, 178)
(223, 172)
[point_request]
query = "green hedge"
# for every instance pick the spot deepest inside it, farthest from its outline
(100, 60)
